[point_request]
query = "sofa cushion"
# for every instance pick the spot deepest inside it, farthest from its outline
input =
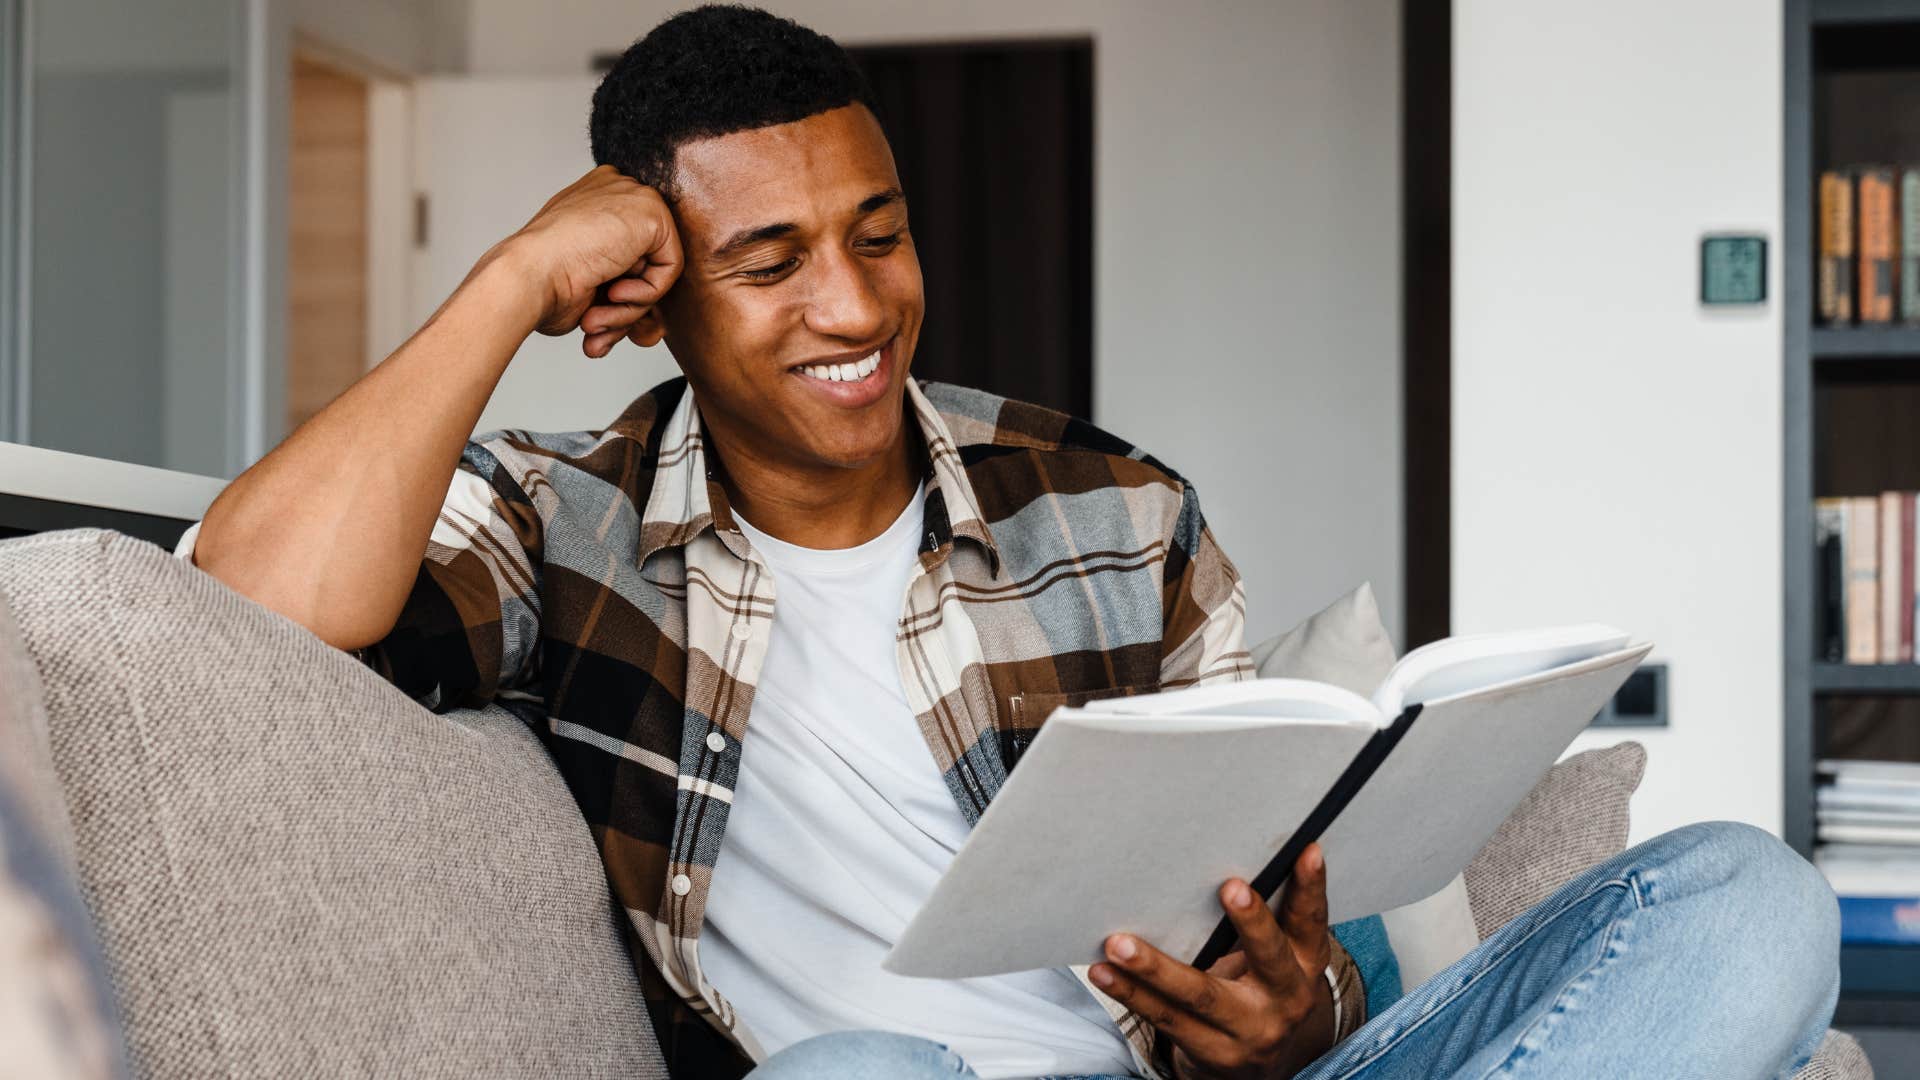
(56, 1007)
(1838, 1058)
(1343, 644)
(26, 755)
(1573, 818)
(295, 869)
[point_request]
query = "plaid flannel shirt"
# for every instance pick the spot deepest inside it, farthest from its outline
(596, 584)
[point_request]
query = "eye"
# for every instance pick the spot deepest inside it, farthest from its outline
(879, 245)
(770, 273)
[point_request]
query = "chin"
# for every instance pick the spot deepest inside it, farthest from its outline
(857, 445)
(845, 456)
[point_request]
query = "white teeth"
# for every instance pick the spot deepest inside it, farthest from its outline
(850, 372)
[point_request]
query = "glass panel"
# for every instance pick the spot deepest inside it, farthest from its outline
(133, 137)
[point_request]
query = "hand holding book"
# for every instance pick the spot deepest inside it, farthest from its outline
(1261, 1011)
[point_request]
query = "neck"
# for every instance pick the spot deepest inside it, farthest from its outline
(823, 507)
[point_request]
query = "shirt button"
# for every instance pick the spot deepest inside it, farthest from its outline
(742, 630)
(682, 884)
(716, 742)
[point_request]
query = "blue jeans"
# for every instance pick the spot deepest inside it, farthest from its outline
(1712, 951)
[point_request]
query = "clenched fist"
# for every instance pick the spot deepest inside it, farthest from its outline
(603, 251)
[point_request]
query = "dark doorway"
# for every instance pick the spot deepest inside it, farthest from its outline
(1426, 144)
(994, 143)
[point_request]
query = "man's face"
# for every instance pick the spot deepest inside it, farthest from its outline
(799, 267)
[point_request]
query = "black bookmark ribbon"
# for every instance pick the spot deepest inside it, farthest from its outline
(1274, 875)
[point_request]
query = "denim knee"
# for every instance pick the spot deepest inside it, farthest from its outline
(1767, 898)
(863, 1055)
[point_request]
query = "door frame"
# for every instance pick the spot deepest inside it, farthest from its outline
(16, 143)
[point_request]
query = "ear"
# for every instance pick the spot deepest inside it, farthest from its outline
(650, 328)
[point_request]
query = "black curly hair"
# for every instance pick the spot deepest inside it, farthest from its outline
(714, 70)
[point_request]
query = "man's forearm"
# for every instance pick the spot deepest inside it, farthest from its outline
(330, 527)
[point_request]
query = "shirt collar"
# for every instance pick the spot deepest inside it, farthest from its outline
(687, 498)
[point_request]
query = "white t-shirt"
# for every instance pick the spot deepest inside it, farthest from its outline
(840, 826)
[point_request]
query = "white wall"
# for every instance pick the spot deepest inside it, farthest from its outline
(1246, 251)
(1616, 448)
(526, 138)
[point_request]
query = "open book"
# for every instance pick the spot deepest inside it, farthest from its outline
(1128, 814)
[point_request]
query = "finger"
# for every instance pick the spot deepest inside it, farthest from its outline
(649, 281)
(1268, 954)
(1303, 910)
(660, 265)
(1208, 999)
(1231, 966)
(1199, 1038)
(599, 345)
(632, 290)
(603, 317)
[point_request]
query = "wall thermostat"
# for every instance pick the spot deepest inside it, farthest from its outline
(1733, 269)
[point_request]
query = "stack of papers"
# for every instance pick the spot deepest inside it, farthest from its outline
(1868, 817)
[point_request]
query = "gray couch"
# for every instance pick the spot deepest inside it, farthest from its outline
(293, 870)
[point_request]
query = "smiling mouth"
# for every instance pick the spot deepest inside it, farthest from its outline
(851, 371)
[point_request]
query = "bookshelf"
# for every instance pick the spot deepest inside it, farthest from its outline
(1896, 343)
(1848, 393)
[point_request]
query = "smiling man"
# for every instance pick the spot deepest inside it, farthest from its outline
(787, 624)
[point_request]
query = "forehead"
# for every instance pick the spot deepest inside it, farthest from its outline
(810, 171)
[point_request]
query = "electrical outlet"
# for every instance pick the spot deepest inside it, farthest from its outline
(1641, 701)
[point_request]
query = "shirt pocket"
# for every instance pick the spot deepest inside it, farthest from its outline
(1028, 712)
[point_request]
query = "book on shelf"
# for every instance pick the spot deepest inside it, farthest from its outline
(1861, 592)
(1854, 772)
(1903, 594)
(1879, 898)
(1835, 284)
(1910, 245)
(1867, 558)
(1868, 817)
(1829, 533)
(1896, 577)
(1859, 798)
(1877, 249)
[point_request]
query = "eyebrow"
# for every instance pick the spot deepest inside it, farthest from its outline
(746, 238)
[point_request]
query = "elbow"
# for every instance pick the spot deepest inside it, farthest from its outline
(259, 573)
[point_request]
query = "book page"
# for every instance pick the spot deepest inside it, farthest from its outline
(1262, 700)
(1459, 665)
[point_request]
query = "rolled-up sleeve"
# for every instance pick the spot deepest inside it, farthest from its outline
(471, 624)
(1203, 605)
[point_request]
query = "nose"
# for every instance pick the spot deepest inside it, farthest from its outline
(844, 302)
